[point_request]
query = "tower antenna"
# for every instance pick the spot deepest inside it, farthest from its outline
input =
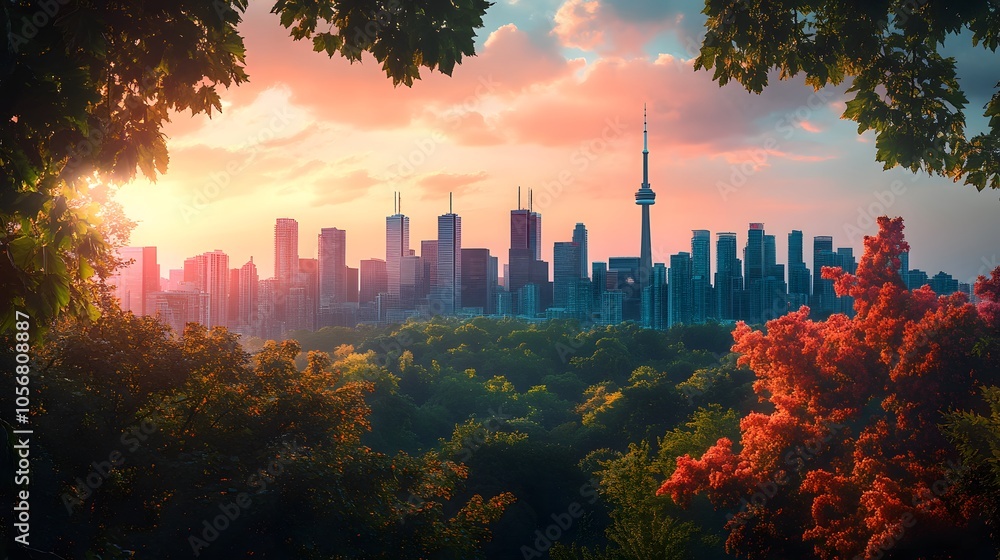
(531, 200)
(645, 143)
(450, 207)
(519, 197)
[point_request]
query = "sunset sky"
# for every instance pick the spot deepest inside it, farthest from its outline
(553, 102)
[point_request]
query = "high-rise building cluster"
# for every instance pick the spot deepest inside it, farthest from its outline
(449, 279)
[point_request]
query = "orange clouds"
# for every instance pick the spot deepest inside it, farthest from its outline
(436, 184)
(526, 111)
(577, 25)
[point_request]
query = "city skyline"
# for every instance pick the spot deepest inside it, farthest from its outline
(542, 100)
(526, 252)
(754, 288)
(658, 256)
(450, 279)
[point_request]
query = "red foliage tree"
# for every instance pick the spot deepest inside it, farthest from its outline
(848, 456)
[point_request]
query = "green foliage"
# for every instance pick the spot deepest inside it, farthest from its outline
(642, 524)
(904, 89)
(386, 449)
(977, 437)
(699, 433)
(522, 404)
(194, 423)
(84, 97)
(402, 36)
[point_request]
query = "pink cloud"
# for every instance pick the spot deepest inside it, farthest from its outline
(576, 24)
(361, 95)
(521, 91)
(440, 183)
(809, 127)
(596, 26)
(338, 189)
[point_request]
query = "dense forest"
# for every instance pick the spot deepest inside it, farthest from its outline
(867, 437)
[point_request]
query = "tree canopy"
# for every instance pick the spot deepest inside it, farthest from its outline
(86, 87)
(904, 88)
(851, 455)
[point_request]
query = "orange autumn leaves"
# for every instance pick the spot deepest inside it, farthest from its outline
(846, 456)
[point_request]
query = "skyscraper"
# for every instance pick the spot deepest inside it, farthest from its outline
(309, 282)
(397, 244)
(178, 308)
(847, 263)
(627, 281)
(524, 264)
(823, 297)
(656, 313)
(286, 268)
(645, 197)
(493, 285)
(526, 228)
(728, 277)
(448, 292)
(565, 274)
(411, 281)
(267, 308)
(233, 303)
(599, 284)
(701, 280)
(191, 271)
(351, 286)
(580, 238)
(525, 247)
(373, 279)
(754, 273)
(611, 307)
(429, 256)
(753, 254)
(286, 251)
(332, 267)
(775, 291)
(247, 302)
(798, 273)
(214, 268)
(479, 279)
(679, 289)
(135, 281)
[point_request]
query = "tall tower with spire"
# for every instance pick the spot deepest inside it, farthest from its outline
(645, 197)
(397, 243)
